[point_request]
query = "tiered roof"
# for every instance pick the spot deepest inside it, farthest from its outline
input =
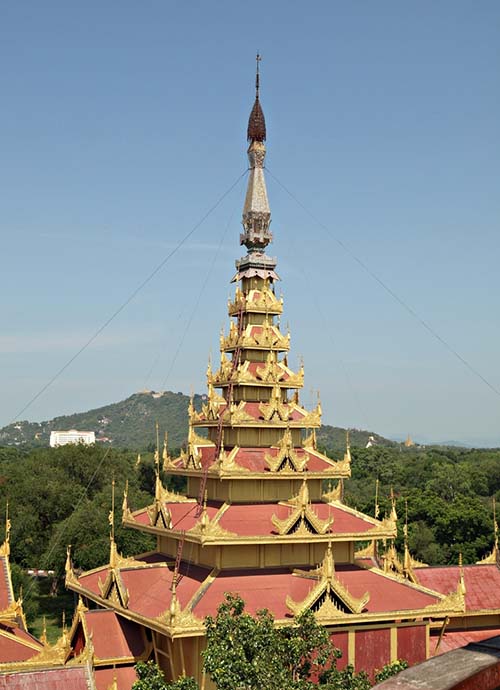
(256, 519)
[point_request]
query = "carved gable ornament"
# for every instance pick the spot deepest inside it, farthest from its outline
(303, 520)
(113, 588)
(287, 458)
(329, 598)
(275, 408)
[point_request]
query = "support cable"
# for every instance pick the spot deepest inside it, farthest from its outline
(58, 536)
(389, 290)
(129, 299)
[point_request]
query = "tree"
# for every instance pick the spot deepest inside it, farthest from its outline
(151, 678)
(250, 652)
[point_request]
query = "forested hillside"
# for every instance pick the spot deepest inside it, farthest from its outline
(130, 424)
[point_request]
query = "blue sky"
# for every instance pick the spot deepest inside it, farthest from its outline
(123, 122)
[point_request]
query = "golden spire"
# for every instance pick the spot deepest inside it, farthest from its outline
(461, 582)
(157, 451)
(495, 527)
(377, 508)
(43, 636)
(407, 557)
(138, 461)
(5, 547)
(125, 508)
(347, 454)
(394, 515)
(493, 557)
(111, 519)
(68, 567)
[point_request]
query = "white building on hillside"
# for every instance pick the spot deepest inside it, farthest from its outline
(61, 438)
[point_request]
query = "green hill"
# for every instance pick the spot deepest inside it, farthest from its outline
(130, 424)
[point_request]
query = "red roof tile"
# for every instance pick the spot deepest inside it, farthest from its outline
(482, 583)
(125, 677)
(5, 592)
(16, 644)
(150, 596)
(76, 678)
(149, 588)
(268, 589)
(255, 519)
(114, 637)
(459, 638)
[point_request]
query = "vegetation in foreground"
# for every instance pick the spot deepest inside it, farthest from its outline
(245, 651)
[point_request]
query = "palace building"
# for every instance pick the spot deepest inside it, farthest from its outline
(263, 515)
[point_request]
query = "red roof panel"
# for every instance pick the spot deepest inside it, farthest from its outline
(150, 588)
(268, 589)
(75, 678)
(16, 644)
(255, 519)
(459, 638)
(482, 583)
(5, 593)
(114, 637)
(125, 677)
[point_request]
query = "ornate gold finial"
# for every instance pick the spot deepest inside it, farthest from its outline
(138, 461)
(43, 636)
(157, 451)
(377, 508)
(303, 495)
(461, 582)
(111, 516)
(394, 515)
(68, 567)
(406, 558)
(495, 524)
(493, 557)
(125, 508)
(114, 684)
(5, 547)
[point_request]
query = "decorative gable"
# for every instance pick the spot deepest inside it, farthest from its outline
(329, 598)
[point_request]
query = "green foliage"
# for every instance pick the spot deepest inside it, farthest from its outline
(60, 496)
(27, 588)
(390, 670)
(152, 678)
(347, 679)
(129, 423)
(245, 651)
(448, 491)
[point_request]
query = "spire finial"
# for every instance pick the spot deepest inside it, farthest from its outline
(258, 58)
(256, 124)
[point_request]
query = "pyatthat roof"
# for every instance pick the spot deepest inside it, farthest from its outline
(482, 584)
(254, 521)
(153, 601)
(250, 462)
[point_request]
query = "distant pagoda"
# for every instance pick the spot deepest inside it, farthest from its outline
(260, 517)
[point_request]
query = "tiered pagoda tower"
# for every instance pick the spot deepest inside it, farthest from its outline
(260, 517)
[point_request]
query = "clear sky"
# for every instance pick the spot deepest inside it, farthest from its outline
(123, 122)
